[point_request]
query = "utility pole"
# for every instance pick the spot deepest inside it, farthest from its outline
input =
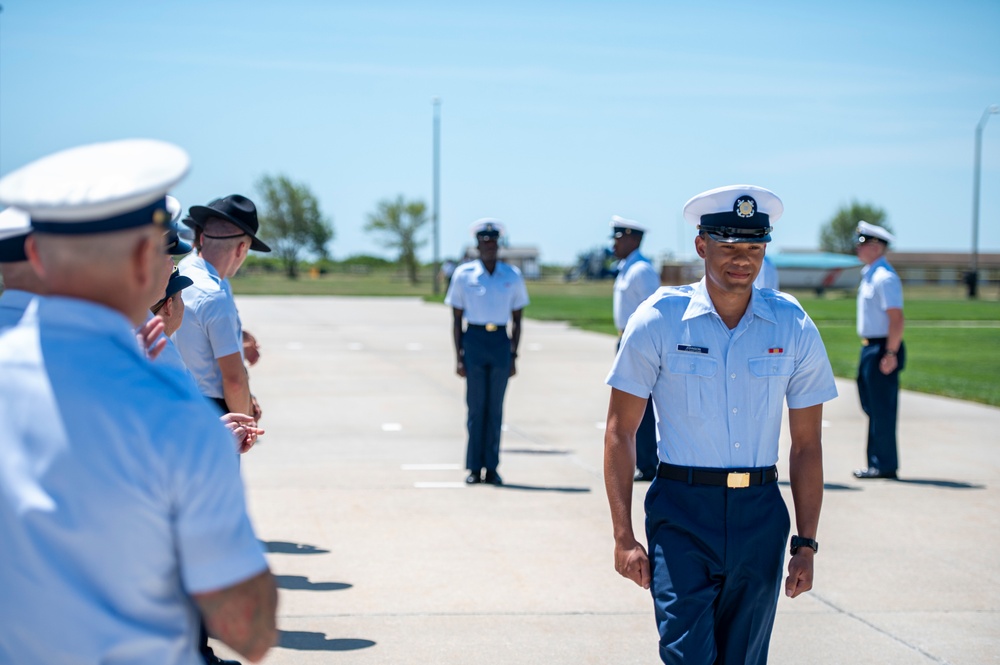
(437, 195)
(973, 277)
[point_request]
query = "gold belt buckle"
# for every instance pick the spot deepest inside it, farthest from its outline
(736, 480)
(491, 327)
(864, 341)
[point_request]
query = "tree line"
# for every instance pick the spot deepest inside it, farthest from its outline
(292, 222)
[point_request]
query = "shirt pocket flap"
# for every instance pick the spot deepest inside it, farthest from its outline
(691, 364)
(765, 367)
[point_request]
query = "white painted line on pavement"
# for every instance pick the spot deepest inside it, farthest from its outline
(439, 486)
(431, 467)
(392, 427)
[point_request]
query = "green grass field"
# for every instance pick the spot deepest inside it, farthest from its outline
(953, 344)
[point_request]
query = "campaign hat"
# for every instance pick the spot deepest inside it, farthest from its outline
(236, 209)
(97, 188)
(735, 213)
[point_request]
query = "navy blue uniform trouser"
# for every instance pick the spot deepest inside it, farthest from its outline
(879, 394)
(716, 556)
(487, 369)
(646, 458)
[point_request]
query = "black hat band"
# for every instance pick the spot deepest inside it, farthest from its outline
(133, 219)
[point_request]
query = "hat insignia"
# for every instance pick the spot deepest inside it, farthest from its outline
(745, 206)
(160, 217)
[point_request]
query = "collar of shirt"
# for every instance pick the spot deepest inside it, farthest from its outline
(195, 262)
(880, 262)
(633, 258)
(701, 304)
(16, 299)
(89, 318)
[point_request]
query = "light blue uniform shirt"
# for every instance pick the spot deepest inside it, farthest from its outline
(120, 495)
(211, 328)
(12, 305)
(880, 290)
(486, 298)
(718, 393)
(636, 281)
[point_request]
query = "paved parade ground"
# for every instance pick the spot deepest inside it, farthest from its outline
(384, 555)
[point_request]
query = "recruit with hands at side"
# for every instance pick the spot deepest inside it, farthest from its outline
(487, 294)
(720, 358)
(84, 460)
(636, 280)
(883, 353)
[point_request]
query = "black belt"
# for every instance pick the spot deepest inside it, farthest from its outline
(488, 327)
(719, 477)
(866, 341)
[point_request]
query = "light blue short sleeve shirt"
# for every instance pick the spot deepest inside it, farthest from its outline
(486, 298)
(211, 328)
(120, 495)
(12, 305)
(879, 291)
(636, 281)
(718, 393)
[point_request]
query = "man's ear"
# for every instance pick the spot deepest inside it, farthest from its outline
(31, 249)
(141, 260)
(168, 308)
(699, 245)
(242, 249)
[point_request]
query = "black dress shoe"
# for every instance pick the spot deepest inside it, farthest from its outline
(493, 478)
(643, 476)
(473, 478)
(872, 472)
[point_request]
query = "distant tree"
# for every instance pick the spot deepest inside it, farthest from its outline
(839, 233)
(291, 222)
(400, 222)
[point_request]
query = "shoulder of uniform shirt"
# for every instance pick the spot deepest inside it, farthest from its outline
(667, 292)
(514, 269)
(780, 299)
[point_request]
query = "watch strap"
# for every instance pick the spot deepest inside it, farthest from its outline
(799, 541)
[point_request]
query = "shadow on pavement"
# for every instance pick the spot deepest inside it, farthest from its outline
(298, 582)
(305, 641)
(281, 547)
(830, 487)
(949, 484)
(542, 488)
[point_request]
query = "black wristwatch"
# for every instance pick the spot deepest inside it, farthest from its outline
(798, 541)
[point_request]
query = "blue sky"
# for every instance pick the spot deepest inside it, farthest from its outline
(555, 115)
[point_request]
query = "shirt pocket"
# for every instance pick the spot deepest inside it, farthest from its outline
(692, 376)
(768, 385)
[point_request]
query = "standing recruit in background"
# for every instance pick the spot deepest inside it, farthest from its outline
(487, 293)
(883, 354)
(636, 281)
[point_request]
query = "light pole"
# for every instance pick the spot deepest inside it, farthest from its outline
(437, 195)
(973, 278)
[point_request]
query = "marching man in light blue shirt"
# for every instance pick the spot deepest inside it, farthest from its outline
(20, 283)
(488, 294)
(720, 359)
(115, 535)
(636, 281)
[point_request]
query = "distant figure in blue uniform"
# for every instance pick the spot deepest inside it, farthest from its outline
(488, 294)
(720, 358)
(636, 281)
(883, 354)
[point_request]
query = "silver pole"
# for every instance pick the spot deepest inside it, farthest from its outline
(437, 195)
(973, 280)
